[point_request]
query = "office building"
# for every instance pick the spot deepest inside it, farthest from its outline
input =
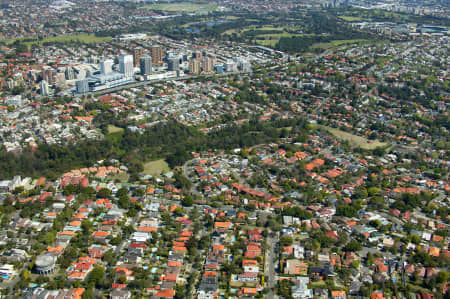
(145, 64)
(126, 65)
(173, 63)
(219, 68)
(106, 66)
(230, 66)
(69, 73)
(44, 88)
(244, 65)
(82, 86)
(197, 55)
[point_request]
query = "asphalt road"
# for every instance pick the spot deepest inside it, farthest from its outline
(133, 222)
(270, 267)
(143, 83)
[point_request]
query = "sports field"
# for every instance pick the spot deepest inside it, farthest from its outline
(354, 140)
(182, 7)
(155, 168)
(83, 38)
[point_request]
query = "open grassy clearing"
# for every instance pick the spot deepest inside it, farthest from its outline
(337, 43)
(354, 140)
(231, 18)
(81, 38)
(155, 168)
(350, 18)
(272, 39)
(182, 7)
(280, 35)
(263, 28)
(317, 284)
(113, 129)
(123, 177)
(267, 42)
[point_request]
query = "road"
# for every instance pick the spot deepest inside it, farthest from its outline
(373, 250)
(124, 241)
(194, 186)
(269, 267)
(143, 83)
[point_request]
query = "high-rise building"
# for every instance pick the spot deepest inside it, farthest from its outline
(82, 86)
(137, 53)
(173, 63)
(157, 55)
(48, 75)
(197, 55)
(145, 64)
(194, 66)
(244, 65)
(44, 88)
(60, 80)
(69, 73)
(106, 66)
(208, 64)
(230, 66)
(126, 65)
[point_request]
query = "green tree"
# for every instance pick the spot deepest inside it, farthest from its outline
(88, 294)
(104, 193)
(96, 277)
(286, 241)
(187, 201)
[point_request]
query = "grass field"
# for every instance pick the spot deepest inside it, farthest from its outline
(182, 7)
(231, 18)
(123, 177)
(318, 284)
(350, 18)
(113, 129)
(272, 39)
(155, 168)
(82, 38)
(354, 140)
(267, 42)
(253, 27)
(337, 43)
(230, 31)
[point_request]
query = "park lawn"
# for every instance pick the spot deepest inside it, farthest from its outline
(263, 27)
(337, 43)
(271, 40)
(155, 168)
(231, 18)
(82, 38)
(267, 42)
(230, 31)
(251, 27)
(354, 140)
(350, 18)
(113, 129)
(123, 177)
(182, 7)
(317, 284)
